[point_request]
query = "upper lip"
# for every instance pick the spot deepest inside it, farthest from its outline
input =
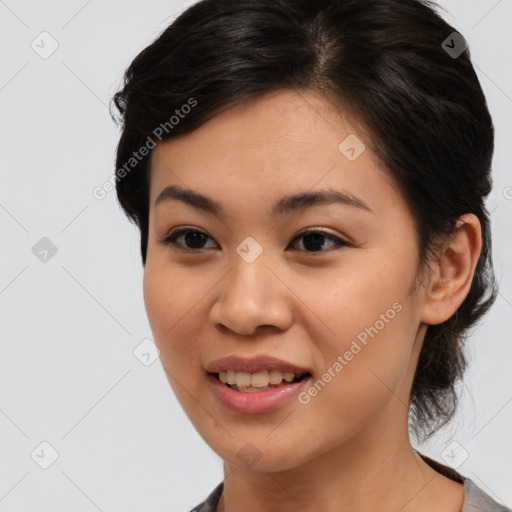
(254, 364)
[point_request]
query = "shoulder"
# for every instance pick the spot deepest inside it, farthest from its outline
(476, 500)
(210, 504)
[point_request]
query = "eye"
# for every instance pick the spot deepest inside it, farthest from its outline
(195, 240)
(314, 239)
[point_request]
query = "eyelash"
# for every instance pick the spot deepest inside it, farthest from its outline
(171, 238)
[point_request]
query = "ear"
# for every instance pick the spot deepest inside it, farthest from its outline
(452, 273)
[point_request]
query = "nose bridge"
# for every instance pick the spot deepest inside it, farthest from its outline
(249, 280)
(251, 295)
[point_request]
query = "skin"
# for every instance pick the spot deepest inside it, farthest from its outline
(348, 448)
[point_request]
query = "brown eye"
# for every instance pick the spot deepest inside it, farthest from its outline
(192, 238)
(314, 240)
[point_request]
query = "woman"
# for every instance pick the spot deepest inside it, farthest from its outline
(309, 181)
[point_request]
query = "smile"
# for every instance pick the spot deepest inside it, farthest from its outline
(261, 381)
(253, 399)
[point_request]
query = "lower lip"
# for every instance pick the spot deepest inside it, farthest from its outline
(257, 402)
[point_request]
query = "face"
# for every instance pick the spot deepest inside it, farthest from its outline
(322, 283)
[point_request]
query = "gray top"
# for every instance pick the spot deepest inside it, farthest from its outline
(475, 500)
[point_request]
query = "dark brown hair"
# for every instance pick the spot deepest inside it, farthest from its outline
(422, 106)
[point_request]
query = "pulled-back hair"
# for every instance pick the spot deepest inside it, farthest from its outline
(421, 105)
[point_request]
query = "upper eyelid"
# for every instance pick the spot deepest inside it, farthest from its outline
(303, 231)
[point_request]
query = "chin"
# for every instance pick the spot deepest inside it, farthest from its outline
(259, 455)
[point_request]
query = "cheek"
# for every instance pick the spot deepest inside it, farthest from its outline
(363, 374)
(367, 349)
(171, 298)
(353, 298)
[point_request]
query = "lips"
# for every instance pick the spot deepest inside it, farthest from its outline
(231, 380)
(254, 400)
(244, 381)
(256, 364)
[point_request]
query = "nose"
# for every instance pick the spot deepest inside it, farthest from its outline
(252, 297)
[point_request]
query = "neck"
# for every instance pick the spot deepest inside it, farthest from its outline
(378, 470)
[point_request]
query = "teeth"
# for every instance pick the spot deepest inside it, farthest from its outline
(243, 379)
(275, 377)
(255, 380)
(259, 380)
(288, 377)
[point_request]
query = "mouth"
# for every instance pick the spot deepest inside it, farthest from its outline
(246, 382)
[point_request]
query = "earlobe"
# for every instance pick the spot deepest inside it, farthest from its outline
(453, 271)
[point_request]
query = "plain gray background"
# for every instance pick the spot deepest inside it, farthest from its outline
(70, 324)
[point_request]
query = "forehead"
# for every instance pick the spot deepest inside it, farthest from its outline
(272, 118)
(283, 142)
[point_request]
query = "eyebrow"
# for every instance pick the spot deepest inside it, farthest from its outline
(283, 206)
